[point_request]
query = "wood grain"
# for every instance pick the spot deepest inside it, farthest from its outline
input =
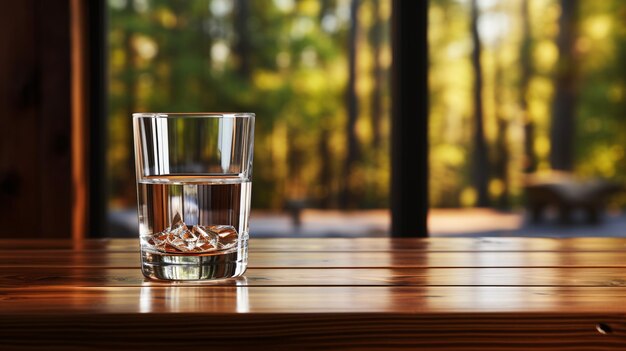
(53, 123)
(35, 181)
(314, 299)
(356, 259)
(36, 278)
(506, 294)
(349, 244)
(19, 93)
(289, 331)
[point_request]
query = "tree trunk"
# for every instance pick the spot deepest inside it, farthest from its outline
(177, 69)
(347, 197)
(130, 85)
(376, 38)
(325, 174)
(295, 189)
(530, 161)
(563, 109)
(501, 158)
(242, 45)
(480, 162)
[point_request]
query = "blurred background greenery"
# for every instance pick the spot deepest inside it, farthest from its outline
(552, 98)
(287, 61)
(516, 87)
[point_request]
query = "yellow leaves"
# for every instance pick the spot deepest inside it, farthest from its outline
(598, 27)
(542, 146)
(267, 80)
(595, 41)
(539, 111)
(602, 161)
(117, 57)
(279, 144)
(449, 154)
(364, 85)
(468, 197)
(385, 10)
(309, 7)
(540, 91)
(364, 130)
(385, 57)
(167, 18)
(545, 55)
(496, 187)
(310, 82)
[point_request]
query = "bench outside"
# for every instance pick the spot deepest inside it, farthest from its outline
(567, 194)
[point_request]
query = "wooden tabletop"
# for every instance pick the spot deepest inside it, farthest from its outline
(366, 293)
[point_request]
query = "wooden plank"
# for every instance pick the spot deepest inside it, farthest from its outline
(54, 125)
(51, 278)
(20, 171)
(408, 303)
(108, 245)
(35, 184)
(315, 299)
(351, 244)
(398, 259)
(289, 331)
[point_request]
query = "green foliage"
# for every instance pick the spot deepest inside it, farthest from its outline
(600, 123)
(170, 55)
(183, 56)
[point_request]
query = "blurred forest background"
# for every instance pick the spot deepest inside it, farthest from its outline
(315, 73)
(550, 95)
(516, 87)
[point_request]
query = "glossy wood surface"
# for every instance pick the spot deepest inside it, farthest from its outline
(451, 294)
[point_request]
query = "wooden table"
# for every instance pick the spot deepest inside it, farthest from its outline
(455, 294)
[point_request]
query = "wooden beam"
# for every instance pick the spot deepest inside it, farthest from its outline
(79, 120)
(409, 125)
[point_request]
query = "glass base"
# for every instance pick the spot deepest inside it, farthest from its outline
(215, 265)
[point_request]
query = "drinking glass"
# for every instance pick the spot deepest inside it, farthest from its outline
(194, 173)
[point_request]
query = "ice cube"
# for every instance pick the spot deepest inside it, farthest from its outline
(227, 235)
(181, 238)
(176, 243)
(158, 239)
(207, 240)
(179, 229)
(177, 221)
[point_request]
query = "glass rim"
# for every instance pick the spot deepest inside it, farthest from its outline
(193, 115)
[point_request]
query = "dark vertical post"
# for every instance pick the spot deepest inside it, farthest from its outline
(480, 159)
(530, 160)
(409, 130)
(97, 109)
(563, 124)
(347, 199)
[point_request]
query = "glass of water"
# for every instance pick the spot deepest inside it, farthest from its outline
(194, 173)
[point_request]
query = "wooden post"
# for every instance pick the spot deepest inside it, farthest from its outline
(35, 148)
(79, 125)
(409, 126)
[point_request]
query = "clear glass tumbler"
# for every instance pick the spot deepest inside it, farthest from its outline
(194, 173)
